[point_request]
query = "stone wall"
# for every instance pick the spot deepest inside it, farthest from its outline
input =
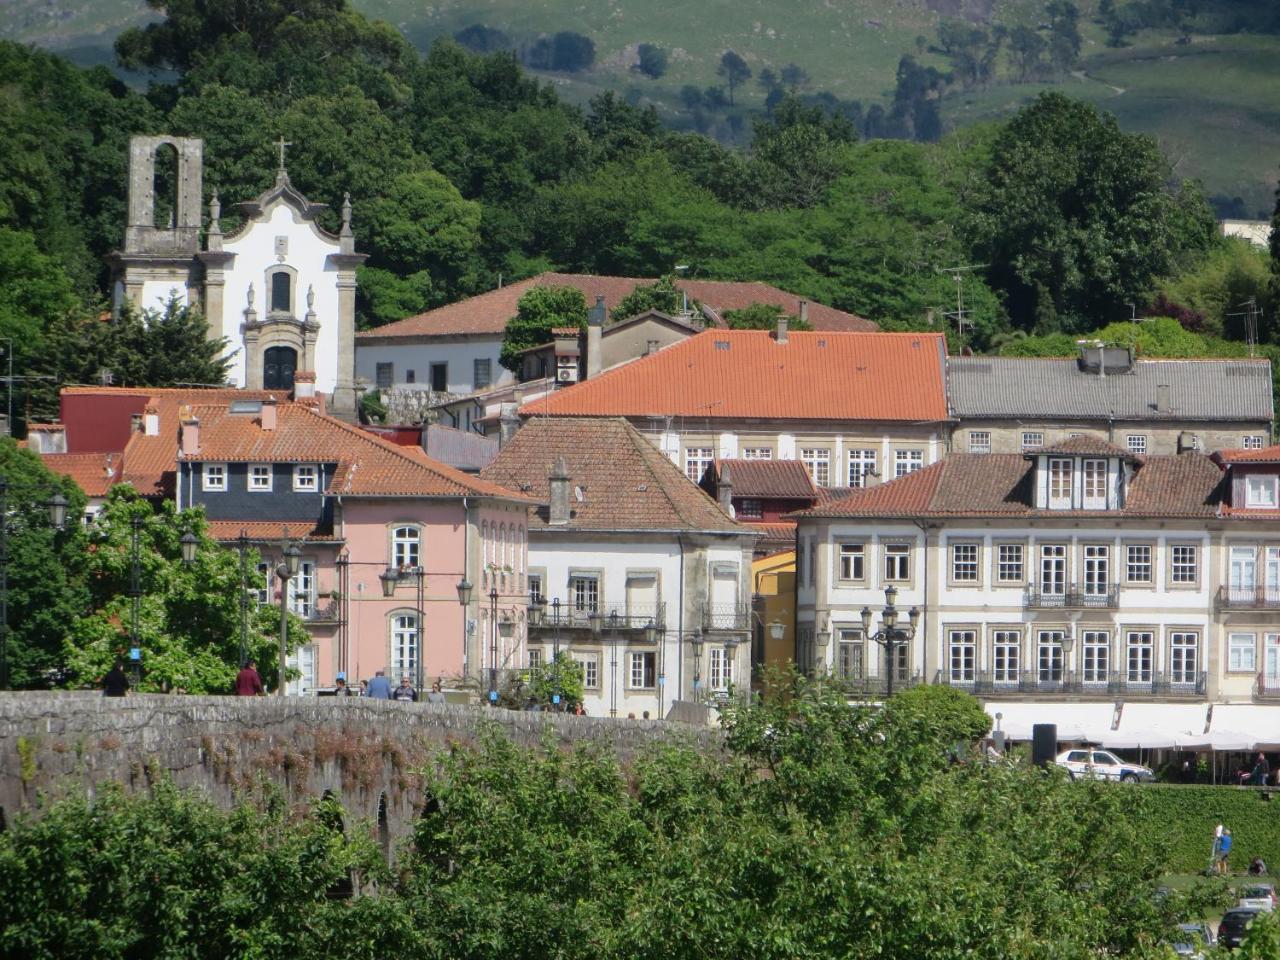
(368, 753)
(406, 405)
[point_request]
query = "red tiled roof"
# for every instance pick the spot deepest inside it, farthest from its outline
(1265, 455)
(774, 537)
(1000, 485)
(264, 531)
(94, 473)
(768, 479)
(720, 374)
(621, 481)
(1086, 445)
(489, 312)
(367, 465)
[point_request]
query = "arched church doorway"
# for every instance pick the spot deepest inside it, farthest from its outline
(278, 365)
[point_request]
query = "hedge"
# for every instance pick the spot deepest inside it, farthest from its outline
(1180, 821)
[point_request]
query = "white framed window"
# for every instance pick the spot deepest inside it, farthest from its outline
(1184, 566)
(1253, 441)
(404, 646)
(262, 595)
(757, 453)
(1137, 563)
(1032, 440)
(1097, 569)
(1095, 484)
(719, 668)
(897, 561)
(850, 654)
(1184, 657)
(964, 562)
(1006, 659)
(862, 464)
(1053, 568)
(751, 509)
(590, 664)
(962, 655)
(907, 461)
(818, 462)
(260, 477)
(979, 441)
(302, 589)
(1242, 653)
(1136, 443)
(643, 672)
(1049, 656)
(536, 591)
(214, 477)
(535, 657)
(1096, 656)
(303, 660)
(584, 592)
(306, 478)
(1059, 483)
(405, 544)
(853, 561)
(696, 461)
(1139, 655)
(1260, 491)
(1009, 563)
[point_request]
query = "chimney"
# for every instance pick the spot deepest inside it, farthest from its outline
(1163, 402)
(651, 347)
(151, 421)
(304, 385)
(595, 331)
(559, 515)
(189, 435)
(781, 334)
(508, 423)
(724, 490)
(46, 438)
(804, 311)
(268, 419)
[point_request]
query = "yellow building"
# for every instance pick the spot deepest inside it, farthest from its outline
(774, 582)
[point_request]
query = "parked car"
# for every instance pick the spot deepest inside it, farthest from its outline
(1102, 765)
(1193, 939)
(1257, 896)
(1231, 931)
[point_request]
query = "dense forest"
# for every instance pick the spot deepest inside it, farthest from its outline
(464, 170)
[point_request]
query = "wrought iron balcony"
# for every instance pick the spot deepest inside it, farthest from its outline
(613, 618)
(726, 616)
(862, 686)
(1267, 688)
(1248, 598)
(984, 683)
(1073, 597)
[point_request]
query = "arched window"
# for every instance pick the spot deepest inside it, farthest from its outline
(405, 543)
(404, 646)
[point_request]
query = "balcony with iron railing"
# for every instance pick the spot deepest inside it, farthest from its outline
(861, 686)
(1248, 598)
(1068, 683)
(726, 616)
(613, 618)
(1266, 688)
(1072, 596)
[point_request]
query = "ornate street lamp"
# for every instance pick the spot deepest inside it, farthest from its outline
(286, 570)
(890, 635)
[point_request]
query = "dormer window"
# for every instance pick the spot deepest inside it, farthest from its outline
(1059, 483)
(1095, 484)
(304, 478)
(1260, 491)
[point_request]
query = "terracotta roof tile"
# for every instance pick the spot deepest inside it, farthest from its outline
(263, 531)
(1000, 485)
(94, 473)
(621, 481)
(748, 374)
(488, 313)
(1265, 455)
(772, 479)
(1085, 445)
(774, 537)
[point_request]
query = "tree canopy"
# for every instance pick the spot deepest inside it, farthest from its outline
(539, 312)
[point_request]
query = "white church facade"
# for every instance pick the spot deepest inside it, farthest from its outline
(279, 288)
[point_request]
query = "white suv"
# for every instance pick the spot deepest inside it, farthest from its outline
(1102, 765)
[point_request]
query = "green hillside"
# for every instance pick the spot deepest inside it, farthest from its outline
(1211, 103)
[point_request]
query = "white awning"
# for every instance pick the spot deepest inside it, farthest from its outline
(1245, 726)
(1159, 726)
(1075, 721)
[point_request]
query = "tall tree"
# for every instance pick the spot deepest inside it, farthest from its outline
(538, 312)
(734, 70)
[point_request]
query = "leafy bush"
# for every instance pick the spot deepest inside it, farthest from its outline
(1179, 822)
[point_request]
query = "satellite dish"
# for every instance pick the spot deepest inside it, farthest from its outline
(577, 492)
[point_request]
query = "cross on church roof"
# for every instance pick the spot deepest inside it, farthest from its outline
(282, 143)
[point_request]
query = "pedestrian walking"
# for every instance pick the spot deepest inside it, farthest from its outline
(1261, 770)
(405, 691)
(436, 695)
(116, 682)
(1224, 852)
(380, 686)
(340, 688)
(248, 683)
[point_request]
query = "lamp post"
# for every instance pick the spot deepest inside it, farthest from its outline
(697, 665)
(57, 507)
(493, 646)
(890, 635)
(286, 571)
(390, 578)
(242, 544)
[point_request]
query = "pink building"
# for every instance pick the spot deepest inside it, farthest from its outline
(389, 541)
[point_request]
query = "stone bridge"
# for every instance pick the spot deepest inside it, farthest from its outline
(367, 753)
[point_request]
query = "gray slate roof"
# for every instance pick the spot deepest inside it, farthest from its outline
(1058, 389)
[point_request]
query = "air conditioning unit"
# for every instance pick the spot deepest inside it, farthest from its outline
(566, 375)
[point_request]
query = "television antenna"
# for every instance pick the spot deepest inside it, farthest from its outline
(1251, 314)
(960, 316)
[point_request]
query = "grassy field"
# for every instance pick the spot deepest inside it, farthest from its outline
(1214, 104)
